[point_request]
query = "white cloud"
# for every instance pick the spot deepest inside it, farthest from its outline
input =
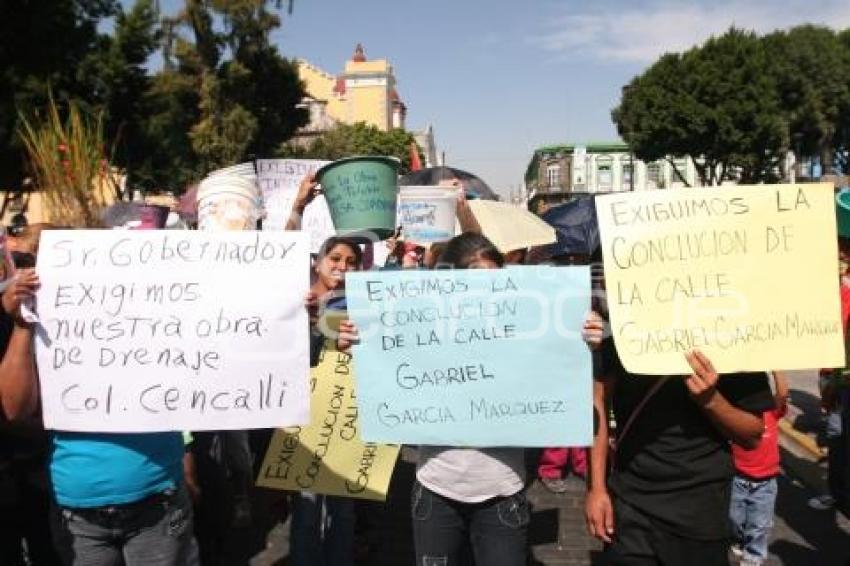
(640, 34)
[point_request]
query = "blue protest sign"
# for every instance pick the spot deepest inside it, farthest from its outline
(473, 357)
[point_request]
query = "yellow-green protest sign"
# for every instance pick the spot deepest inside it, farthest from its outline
(747, 274)
(327, 456)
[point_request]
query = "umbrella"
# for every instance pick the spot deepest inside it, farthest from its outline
(575, 226)
(510, 227)
(473, 186)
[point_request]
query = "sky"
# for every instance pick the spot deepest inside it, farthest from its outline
(498, 78)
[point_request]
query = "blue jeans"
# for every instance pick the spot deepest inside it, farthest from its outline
(156, 531)
(322, 532)
(496, 529)
(751, 513)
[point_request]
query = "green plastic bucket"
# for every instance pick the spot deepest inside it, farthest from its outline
(842, 212)
(361, 193)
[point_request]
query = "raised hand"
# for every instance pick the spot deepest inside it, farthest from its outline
(23, 287)
(702, 383)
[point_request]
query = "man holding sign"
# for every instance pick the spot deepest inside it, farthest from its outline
(671, 470)
(686, 273)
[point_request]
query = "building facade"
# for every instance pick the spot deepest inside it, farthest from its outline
(364, 92)
(602, 168)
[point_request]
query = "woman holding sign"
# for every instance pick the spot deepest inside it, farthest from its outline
(470, 496)
(323, 525)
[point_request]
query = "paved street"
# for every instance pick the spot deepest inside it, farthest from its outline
(801, 536)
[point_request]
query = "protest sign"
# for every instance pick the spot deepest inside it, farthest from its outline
(317, 222)
(427, 214)
(327, 456)
(473, 357)
(746, 274)
(279, 180)
(161, 330)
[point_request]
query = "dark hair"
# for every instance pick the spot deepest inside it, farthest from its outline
(461, 251)
(335, 241)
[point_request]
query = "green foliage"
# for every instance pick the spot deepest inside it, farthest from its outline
(714, 103)
(42, 45)
(247, 104)
(357, 139)
(736, 104)
(68, 161)
(225, 131)
(812, 70)
(224, 93)
(119, 82)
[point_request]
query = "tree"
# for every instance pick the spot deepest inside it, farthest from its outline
(43, 44)
(249, 103)
(811, 70)
(225, 131)
(118, 82)
(715, 104)
(357, 139)
(842, 130)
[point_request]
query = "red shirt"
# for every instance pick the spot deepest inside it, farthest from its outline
(762, 462)
(845, 304)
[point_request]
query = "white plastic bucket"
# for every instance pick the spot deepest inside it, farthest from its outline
(427, 214)
(242, 169)
(228, 202)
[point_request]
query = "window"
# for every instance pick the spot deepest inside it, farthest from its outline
(604, 179)
(654, 180)
(553, 176)
(628, 171)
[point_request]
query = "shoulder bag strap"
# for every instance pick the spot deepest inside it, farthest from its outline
(621, 434)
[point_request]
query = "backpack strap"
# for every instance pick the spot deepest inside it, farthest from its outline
(649, 394)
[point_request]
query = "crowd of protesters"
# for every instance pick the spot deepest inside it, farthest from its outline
(687, 472)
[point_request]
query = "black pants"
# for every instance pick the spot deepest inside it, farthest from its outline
(25, 518)
(639, 542)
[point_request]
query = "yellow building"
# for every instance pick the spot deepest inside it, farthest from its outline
(364, 92)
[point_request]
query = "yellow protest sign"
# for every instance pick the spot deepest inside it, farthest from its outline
(327, 456)
(747, 274)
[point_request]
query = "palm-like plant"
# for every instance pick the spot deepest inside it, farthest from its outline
(68, 159)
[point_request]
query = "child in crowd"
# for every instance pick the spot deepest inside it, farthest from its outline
(754, 485)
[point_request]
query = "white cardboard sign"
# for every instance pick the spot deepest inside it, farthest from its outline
(279, 180)
(146, 331)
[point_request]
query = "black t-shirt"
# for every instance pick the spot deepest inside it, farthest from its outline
(673, 464)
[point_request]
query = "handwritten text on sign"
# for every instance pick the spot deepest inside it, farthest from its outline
(327, 456)
(473, 358)
(162, 330)
(279, 180)
(747, 274)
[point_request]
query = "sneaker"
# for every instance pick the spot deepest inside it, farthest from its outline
(555, 485)
(822, 502)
